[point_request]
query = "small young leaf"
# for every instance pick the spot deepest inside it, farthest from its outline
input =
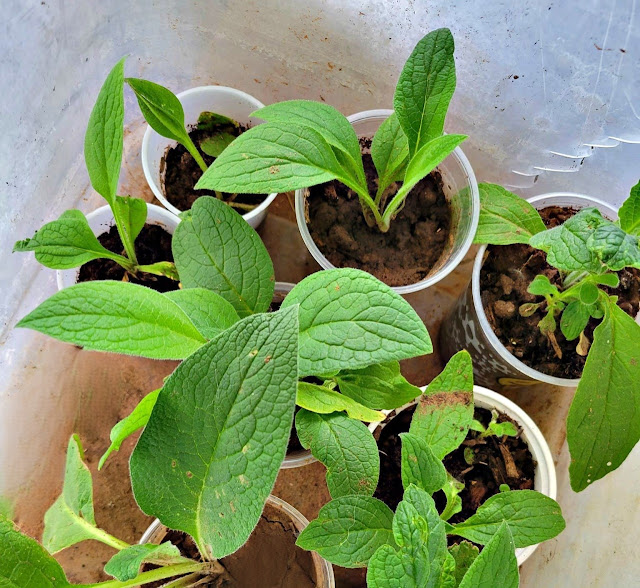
(347, 449)
(505, 218)
(445, 410)
(390, 152)
(541, 286)
(548, 323)
(119, 317)
(629, 212)
(389, 568)
(379, 386)
(496, 566)
(425, 88)
(528, 309)
(589, 293)
(161, 268)
(24, 563)
(125, 565)
(127, 426)
(451, 491)
(349, 320)
(410, 529)
(502, 429)
(209, 121)
(214, 248)
(325, 401)
(218, 433)
(614, 248)
(420, 466)
(464, 554)
(612, 280)
(574, 319)
(532, 518)
(216, 144)
(105, 134)
(131, 214)
(209, 312)
(349, 530)
(603, 424)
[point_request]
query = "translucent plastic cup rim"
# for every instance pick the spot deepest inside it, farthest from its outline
(562, 199)
(545, 480)
(155, 533)
(151, 173)
(451, 263)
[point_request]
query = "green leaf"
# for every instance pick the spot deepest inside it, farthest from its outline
(119, 317)
(215, 248)
(379, 386)
(445, 410)
(425, 88)
(541, 286)
(451, 491)
(209, 121)
(273, 157)
(216, 144)
(464, 554)
(502, 429)
(629, 212)
(346, 447)
(566, 245)
(574, 319)
(505, 218)
(161, 268)
(105, 134)
(218, 433)
(209, 312)
(390, 152)
(611, 280)
(589, 293)
(127, 426)
(70, 519)
(410, 529)
(389, 568)
(131, 214)
(349, 320)
(24, 563)
(496, 566)
(614, 248)
(447, 578)
(603, 424)
(532, 518)
(324, 401)
(125, 565)
(420, 466)
(349, 530)
(66, 243)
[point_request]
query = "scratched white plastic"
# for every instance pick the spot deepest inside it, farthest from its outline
(548, 91)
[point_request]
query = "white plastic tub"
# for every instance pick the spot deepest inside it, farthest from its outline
(229, 102)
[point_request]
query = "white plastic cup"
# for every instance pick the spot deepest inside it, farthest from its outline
(101, 220)
(544, 478)
(460, 188)
(229, 102)
(467, 326)
(324, 571)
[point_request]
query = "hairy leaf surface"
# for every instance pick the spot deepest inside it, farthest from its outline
(420, 466)
(323, 400)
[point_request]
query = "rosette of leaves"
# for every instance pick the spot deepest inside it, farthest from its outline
(69, 242)
(588, 249)
(408, 548)
(304, 143)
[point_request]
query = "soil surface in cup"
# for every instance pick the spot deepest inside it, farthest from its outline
(496, 460)
(182, 172)
(269, 559)
(405, 254)
(504, 279)
(152, 245)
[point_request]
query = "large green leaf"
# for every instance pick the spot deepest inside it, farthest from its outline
(445, 410)
(390, 152)
(66, 243)
(24, 563)
(323, 400)
(349, 530)
(505, 218)
(131, 214)
(349, 320)
(603, 425)
(118, 317)
(425, 88)
(215, 248)
(125, 565)
(420, 466)
(390, 568)
(629, 212)
(532, 518)
(104, 136)
(379, 386)
(346, 447)
(218, 433)
(614, 248)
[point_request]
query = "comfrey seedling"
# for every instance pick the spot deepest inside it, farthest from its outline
(604, 421)
(494, 428)
(305, 143)
(408, 548)
(69, 242)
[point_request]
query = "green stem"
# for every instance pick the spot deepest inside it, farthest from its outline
(365, 199)
(124, 237)
(153, 575)
(100, 535)
(191, 148)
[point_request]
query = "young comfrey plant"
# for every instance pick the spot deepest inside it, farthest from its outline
(409, 547)
(69, 241)
(304, 143)
(588, 250)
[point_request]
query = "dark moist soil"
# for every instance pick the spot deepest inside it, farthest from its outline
(406, 253)
(182, 172)
(152, 245)
(504, 460)
(270, 559)
(504, 279)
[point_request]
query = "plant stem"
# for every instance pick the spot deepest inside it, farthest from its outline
(191, 148)
(154, 575)
(100, 535)
(124, 237)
